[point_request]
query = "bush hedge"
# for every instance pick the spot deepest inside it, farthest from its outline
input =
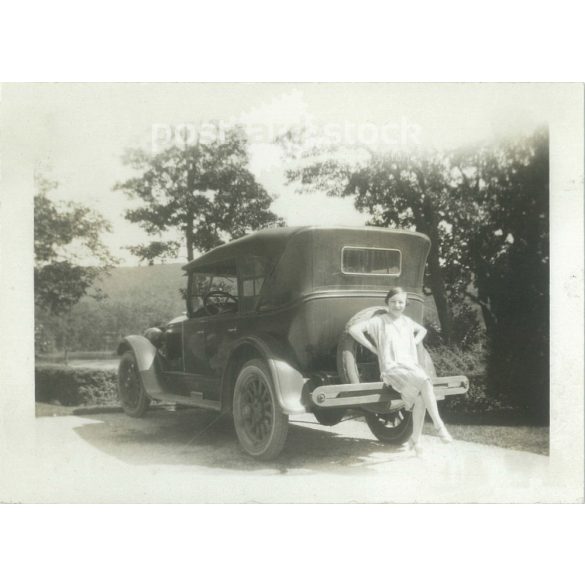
(453, 361)
(478, 404)
(75, 386)
(59, 357)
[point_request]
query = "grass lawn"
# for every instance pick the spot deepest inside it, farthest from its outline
(534, 439)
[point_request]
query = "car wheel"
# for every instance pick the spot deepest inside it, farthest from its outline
(260, 424)
(330, 416)
(131, 393)
(393, 427)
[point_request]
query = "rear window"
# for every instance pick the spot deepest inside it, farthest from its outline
(376, 261)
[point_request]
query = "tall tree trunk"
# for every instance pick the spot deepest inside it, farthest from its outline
(429, 224)
(66, 340)
(189, 237)
(439, 293)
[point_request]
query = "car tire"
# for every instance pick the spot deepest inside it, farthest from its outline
(352, 369)
(131, 393)
(260, 424)
(349, 350)
(394, 427)
(329, 416)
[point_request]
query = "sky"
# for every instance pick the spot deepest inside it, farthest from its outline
(77, 133)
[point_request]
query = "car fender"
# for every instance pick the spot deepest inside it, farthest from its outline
(292, 388)
(147, 361)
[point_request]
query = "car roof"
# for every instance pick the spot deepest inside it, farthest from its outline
(271, 242)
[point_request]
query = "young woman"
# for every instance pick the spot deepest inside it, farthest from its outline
(395, 337)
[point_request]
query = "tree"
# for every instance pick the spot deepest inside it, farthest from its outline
(65, 235)
(204, 190)
(398, 189)
(506, 255)
(486, 211)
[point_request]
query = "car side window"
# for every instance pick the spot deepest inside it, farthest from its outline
(199, 286)
(253, 272)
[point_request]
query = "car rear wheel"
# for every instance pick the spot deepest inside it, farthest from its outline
(260, 424)
(392, 427)
(132, 396)
(329, 416)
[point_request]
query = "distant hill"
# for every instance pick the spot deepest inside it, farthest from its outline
(161, 280)
(137, 297)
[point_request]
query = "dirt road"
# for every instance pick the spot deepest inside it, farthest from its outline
(189, 456)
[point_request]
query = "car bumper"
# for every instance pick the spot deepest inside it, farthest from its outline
(355, 395)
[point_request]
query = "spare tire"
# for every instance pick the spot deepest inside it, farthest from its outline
(356, 364)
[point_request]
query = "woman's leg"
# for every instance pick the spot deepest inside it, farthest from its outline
(418, 419)
(430, 401)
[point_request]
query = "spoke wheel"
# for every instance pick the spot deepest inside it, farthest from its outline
(260, 425)
(392, 427)
(132, 396)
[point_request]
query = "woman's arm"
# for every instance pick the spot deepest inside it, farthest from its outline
(357, 331)
(419, 332)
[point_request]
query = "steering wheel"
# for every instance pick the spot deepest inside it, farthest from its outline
(215, 301)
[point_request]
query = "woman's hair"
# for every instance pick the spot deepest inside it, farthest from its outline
(395, 290)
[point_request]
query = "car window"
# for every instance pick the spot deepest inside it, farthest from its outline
(374, 261)
(227, 284)
(253, 272)
(204, 283)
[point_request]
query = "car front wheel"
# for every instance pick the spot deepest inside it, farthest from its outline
(260, 424)
(132, 396)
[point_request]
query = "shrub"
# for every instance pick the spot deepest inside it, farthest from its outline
(59, 357)
(75, 386)
(452, 360)
(476, 401)
(478, 404)
(468, 329)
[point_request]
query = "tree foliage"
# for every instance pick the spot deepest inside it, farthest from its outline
(505, 251)
(406, 190)
(204, 190)
(136, 298)
(65, 235)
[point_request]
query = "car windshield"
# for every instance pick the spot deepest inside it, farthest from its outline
(204, 283)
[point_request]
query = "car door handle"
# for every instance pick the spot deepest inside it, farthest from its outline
(232, 329)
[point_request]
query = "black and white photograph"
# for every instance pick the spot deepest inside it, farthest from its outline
(296, 292)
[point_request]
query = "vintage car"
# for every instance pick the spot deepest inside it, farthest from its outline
(265, 334)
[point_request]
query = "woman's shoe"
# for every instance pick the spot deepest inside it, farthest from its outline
(412, 446)
(444, 434)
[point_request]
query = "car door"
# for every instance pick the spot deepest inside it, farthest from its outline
(204, 334)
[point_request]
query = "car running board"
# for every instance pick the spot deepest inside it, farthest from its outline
(195, 399)
(336, 395)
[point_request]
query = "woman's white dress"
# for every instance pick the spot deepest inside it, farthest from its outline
(397, 355)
